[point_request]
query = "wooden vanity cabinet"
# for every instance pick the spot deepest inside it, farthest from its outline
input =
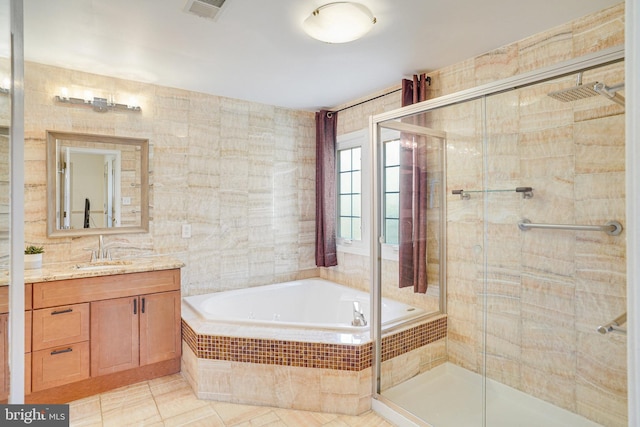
(134, 331)
(98, 333)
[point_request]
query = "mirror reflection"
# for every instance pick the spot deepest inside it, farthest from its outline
(97, 184)
(4, 198)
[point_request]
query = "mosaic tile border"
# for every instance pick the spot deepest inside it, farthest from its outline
(311, 355)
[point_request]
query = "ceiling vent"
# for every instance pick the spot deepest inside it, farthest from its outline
(209, 9)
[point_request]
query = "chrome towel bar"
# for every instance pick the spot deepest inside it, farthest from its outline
(527, 192)
(614, 325)
(612, 228)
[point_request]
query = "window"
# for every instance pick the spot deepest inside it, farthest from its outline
(353, 192)
(354, 189)
(392, 191)
(350, 193)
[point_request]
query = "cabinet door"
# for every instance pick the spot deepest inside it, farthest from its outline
(159, 327)
(114, 335)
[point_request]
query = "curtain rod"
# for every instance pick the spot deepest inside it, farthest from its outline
(365, 101)
(428, 79)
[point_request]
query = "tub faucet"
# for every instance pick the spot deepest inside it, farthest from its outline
(358, 315)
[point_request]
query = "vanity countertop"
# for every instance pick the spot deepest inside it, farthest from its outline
(70, 270)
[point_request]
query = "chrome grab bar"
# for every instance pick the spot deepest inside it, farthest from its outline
(612, 228)
(614, 325)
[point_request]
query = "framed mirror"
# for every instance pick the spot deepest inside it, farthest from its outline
(96, 184)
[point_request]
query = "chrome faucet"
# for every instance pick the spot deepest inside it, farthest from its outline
(100, 247)
(100, 254)
(358, 315)
(103, 254)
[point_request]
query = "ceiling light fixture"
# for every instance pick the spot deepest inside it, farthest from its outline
(339, 22)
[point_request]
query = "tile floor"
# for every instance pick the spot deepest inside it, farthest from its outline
(169, 401)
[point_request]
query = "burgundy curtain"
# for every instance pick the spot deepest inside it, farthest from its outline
(413, 195)
(326, 253)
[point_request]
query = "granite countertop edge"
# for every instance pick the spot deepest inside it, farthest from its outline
(69, 270)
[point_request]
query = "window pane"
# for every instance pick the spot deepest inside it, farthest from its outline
(357, 229)
(356, 185)
(345, 228)
(392, 153)
(345, 160)
(356, 205)
(392, 206)
(392, 179)
(391, 231)
(345, 206)
(345, 183)
(356, 159)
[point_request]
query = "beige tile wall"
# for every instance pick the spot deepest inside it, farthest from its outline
(242, 174)
(545, 291)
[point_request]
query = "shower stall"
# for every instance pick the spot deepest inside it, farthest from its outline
(520, 188)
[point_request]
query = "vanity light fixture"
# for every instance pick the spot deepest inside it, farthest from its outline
(339, 22)
(101, 105)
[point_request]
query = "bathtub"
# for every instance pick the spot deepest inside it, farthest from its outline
(292, 345)
(307, 304)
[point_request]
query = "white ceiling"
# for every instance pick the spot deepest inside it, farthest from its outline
(256, 49)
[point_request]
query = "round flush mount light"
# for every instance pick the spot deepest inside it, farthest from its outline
(339, 22)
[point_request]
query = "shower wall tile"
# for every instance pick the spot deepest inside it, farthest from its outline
(496, 64)
(604, 408)
(595, 31)
(600, 145)
(602, 378)
(546, 48)
(542, 384)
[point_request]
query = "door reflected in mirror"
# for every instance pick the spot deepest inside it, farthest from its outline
(4, 199)
(96, 184)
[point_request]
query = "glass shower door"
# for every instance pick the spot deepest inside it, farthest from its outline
(415, 154)
(535, 272)
(546, 291)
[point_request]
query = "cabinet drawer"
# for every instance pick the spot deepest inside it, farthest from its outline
(74, 291)
(60, 365)
(59, 326)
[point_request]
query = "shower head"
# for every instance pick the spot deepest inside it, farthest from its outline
(575, 93)
(582, 91)
(579, 91)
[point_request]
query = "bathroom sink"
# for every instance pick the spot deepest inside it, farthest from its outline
(101, 265)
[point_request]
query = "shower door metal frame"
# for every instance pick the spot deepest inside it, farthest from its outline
(583, 63)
